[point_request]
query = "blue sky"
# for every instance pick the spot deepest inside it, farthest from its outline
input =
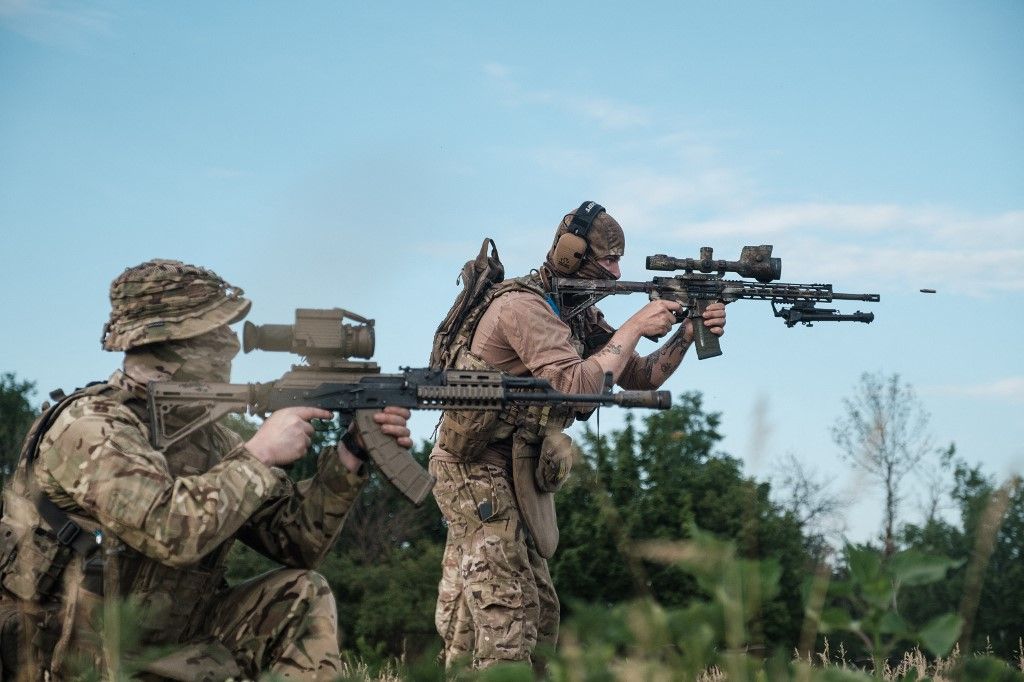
(355, 154)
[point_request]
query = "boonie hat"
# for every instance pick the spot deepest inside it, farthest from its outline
(162, 300)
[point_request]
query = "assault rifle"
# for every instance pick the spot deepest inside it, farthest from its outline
(356, 389)
(704, 282)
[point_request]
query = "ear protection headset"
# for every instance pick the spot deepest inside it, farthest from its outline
(571, 247)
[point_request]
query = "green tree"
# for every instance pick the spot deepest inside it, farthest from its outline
(988, 587)
(657, 483)
(16, 415)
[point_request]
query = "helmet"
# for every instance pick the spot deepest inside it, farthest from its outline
(162, 300)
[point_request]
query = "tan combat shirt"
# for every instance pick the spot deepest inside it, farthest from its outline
(520, 334)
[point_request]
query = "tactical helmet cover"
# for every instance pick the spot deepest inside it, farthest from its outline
(163, 300)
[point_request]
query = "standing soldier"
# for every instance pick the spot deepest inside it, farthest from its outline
(497, 472)
(94, 514)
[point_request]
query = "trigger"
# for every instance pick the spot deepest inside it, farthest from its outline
(321, 425)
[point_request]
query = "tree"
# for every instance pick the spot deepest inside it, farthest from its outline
(884, 433)
(809, 500)
(16, 415)
(659, 483)
(988, 587)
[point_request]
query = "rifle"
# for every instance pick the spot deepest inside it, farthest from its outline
(354, 389)
(704, 282)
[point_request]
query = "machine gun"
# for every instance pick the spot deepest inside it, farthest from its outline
(355, 389)
(704, 282)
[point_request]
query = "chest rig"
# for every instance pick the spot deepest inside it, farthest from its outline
(467, 433)
(58, 566)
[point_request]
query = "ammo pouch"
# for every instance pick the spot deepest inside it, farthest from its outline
(32, 567)
(535, 506)
(466, 433)
(554, 463)
(33, 557)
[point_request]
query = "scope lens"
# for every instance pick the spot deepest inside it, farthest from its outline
(270, 337)
(357, 341)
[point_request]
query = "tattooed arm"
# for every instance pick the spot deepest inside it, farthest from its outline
(650, 372)
(654, 319)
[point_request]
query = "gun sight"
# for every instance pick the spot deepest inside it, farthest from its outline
(755, 261)
(317, 333)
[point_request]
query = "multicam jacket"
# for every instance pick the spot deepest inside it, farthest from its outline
(171, 517)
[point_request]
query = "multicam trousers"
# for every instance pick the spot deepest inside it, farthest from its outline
(496, 601)
(284, 622)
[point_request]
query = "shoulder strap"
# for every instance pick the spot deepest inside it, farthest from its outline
(42, 424)
(68, 533)
(464, 338)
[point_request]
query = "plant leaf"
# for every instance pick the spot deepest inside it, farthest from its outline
(940, 633)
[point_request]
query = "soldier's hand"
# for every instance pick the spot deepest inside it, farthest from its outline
(392, 422)
(286, 435)
(656, 318)
(714, 320)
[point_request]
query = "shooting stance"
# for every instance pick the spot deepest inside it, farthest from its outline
(94, 514)
(497, 471)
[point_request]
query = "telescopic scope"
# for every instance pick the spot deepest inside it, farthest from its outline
(317, 332)
(755, 261)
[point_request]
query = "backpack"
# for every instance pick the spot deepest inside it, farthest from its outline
(478, 276)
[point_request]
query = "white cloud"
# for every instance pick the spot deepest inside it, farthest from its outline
(1009, 388)
(607, 113)
(888, 221)
(685, 194)
(899, 245)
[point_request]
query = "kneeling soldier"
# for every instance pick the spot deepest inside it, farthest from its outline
(94, 513)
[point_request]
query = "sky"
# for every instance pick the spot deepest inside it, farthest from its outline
(355, 154)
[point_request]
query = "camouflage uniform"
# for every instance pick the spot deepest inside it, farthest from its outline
(165, 521)
(496, 600)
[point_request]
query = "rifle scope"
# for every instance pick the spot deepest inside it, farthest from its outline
(755, 261)
(317, 333)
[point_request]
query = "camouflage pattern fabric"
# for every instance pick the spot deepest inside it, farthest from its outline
(204, 358)
(284, 623)
(161, 300)
(178, 512)
(496, 601)
(605, 238)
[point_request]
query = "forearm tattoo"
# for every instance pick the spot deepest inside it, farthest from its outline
(612, 349)
(665, 359)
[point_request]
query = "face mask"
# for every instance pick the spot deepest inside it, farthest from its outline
(203, 358)
(591, 269)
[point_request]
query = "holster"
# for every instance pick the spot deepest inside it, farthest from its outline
(536, 507)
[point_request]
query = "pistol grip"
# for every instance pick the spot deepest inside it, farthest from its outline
(708, 345)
